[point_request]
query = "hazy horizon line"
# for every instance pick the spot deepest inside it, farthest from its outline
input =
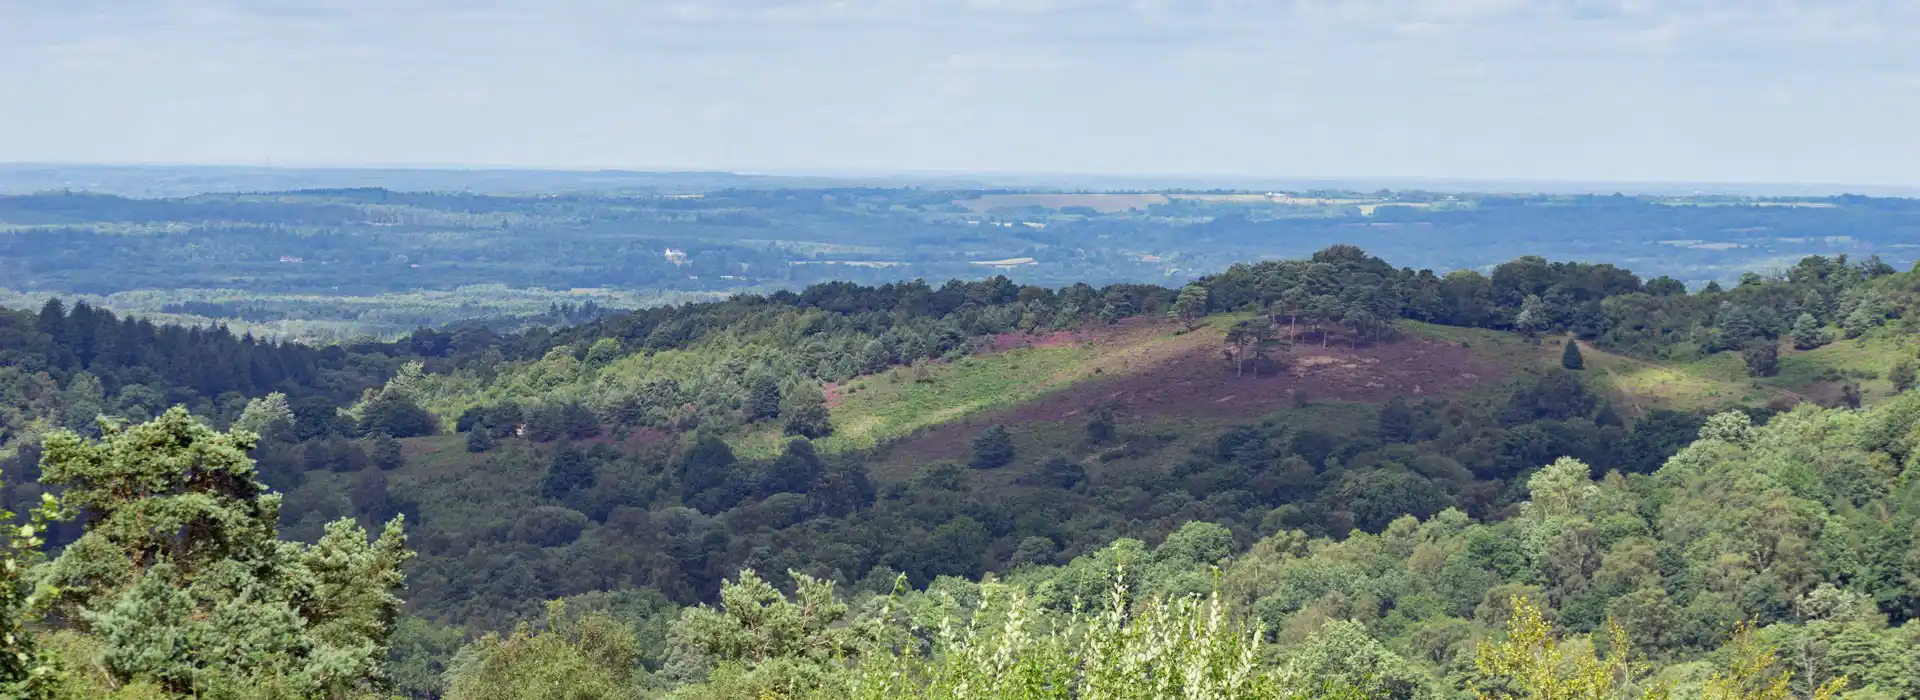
(1028, 179)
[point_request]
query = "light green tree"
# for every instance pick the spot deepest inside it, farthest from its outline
(1190, 306)
(1534, 315)
(25, 672)
(586, 658)
(758, 643)
(1532, 663)
(269, 417)
(1808, 333)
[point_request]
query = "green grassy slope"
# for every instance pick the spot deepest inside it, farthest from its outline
(1037, 388)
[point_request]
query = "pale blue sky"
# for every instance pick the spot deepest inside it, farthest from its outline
(1710, 90)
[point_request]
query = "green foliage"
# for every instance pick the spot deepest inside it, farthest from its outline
(992, 449)
(569, 472)
(806, 413)
(1253, 344)
(1100, 425)
(1183, 647)
(1762, 359)
(269, 417)
(26, 672)
(586, 658)
(386, 452)
(665, 504)
(394, 413)
(180, 577)
(1809, 333)
(1190, 305)
(480, 440)
(765, 401)
(1902, 376)
(759, 643)
(1533, 664)
(1570, 357)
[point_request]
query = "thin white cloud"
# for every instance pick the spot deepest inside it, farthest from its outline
(1590, 89)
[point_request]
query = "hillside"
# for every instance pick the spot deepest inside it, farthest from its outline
(862, 434)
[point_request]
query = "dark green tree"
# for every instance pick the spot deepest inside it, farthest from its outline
(1100, 424)
(315, 417)
(796, 469)
(394, 413)
(707, 464)
(1762, 358)
(386, 452)
(1398, 422)
(480, 440)
(806, 413)
(763, 400)
(569, 472)
(1902, 375)
(992, 449)
(580, 421)
(1570, 357)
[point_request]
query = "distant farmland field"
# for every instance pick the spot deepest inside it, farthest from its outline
(1105, 203)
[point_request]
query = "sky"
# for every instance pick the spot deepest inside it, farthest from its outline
(1813, 91)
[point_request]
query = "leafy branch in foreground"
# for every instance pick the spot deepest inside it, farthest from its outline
(1010, 647)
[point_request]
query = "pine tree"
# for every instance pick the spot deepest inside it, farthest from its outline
(1867, 313)
(1190, 305)
(181, 578)
(1808, 333)
(1570, 357)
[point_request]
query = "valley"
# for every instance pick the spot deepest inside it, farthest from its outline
(995, 432)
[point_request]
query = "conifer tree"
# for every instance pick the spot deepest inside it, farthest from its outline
(1808, 333)
(1190, 305)
(1570, 357)
(181, 578)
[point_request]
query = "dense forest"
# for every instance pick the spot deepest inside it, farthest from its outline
(1769, 561)
(631, 466)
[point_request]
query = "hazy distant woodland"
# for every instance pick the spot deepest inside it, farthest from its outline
(269, 249)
